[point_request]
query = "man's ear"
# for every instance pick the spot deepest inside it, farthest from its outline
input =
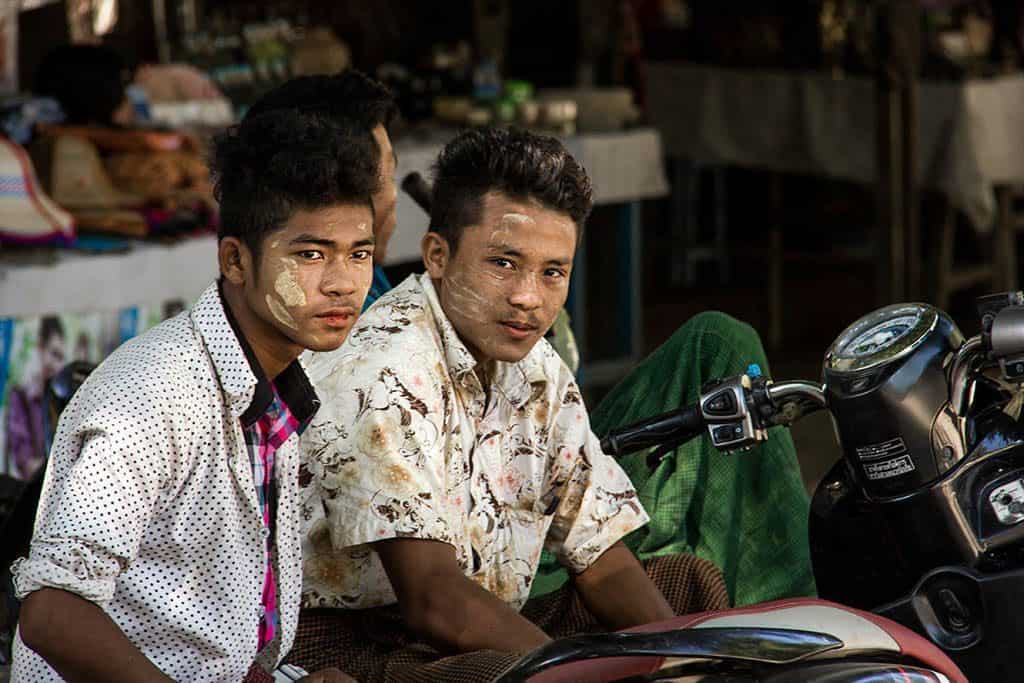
(436, 254)
(236, 263)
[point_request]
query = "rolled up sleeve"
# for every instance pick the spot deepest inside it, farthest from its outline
(69, 565)
(103, 484)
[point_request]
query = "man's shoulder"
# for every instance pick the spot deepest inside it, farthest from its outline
(160, 364)
(174, 343)
(401, 315)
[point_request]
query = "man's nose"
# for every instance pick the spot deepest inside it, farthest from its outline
(526, 293)
(338, 279)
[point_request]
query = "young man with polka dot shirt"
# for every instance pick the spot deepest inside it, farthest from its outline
(166, 544)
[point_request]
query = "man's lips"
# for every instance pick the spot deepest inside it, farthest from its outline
(337, 317)
(518, 329)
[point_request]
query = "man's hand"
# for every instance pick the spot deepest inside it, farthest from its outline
(443, 606)
(617, 591)
(79, 641)
(331, 675)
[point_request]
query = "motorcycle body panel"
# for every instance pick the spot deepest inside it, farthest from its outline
(946, 561)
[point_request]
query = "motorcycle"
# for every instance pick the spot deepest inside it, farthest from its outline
(919, 527)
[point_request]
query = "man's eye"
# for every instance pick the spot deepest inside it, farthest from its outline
(310, 255)
(502, 262)
(362, 255)
(555, 273)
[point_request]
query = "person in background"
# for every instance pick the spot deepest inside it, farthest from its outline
(166, 544)
(352, 99)
(26, 405)
(89, 82)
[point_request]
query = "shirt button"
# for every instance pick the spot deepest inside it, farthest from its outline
(265, 533)
(262, 611)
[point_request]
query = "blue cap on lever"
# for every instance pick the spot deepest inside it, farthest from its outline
(753, 371)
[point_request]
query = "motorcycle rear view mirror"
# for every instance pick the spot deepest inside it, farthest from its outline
(1003, 334)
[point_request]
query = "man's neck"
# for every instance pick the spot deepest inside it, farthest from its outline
(485, 373)
(266, 343)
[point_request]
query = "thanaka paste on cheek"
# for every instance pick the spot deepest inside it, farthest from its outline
(278, 310)
(287, 285)
(467, 302)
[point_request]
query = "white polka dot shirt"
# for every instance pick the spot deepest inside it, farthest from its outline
(149, 508)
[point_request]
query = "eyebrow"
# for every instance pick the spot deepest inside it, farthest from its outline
(312, 239)
(509, 250)
(320, 241)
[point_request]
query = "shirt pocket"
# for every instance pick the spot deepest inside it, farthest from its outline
(516, 554)
(527, 530)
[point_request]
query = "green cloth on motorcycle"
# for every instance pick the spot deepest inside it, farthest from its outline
(563, 341)
(746, 512)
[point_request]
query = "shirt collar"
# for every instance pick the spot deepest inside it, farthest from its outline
(515, 380)
(249, 393)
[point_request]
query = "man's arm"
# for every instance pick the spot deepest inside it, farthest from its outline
(445, 607)
(79, 641)
(617, 590)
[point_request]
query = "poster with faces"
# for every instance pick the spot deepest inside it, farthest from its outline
(33, 350)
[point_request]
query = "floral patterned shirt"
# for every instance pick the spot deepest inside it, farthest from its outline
(408, 445)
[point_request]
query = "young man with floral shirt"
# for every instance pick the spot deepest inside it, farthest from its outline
(453, 446)
(166, 545)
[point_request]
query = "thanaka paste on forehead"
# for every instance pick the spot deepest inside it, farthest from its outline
(518, 218)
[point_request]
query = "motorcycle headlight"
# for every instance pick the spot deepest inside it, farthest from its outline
(889, 399)
(883, 336)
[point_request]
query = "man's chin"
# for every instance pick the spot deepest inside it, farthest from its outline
(513, 353)
(324, 342)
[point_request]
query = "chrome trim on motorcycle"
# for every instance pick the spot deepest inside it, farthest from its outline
(795, 399)
(759, 645)
(881, 337)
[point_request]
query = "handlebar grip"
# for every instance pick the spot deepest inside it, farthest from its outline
(677, 426)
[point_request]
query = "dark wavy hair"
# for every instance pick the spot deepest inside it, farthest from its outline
(519, 164)
(279, 162)
(349, 97)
